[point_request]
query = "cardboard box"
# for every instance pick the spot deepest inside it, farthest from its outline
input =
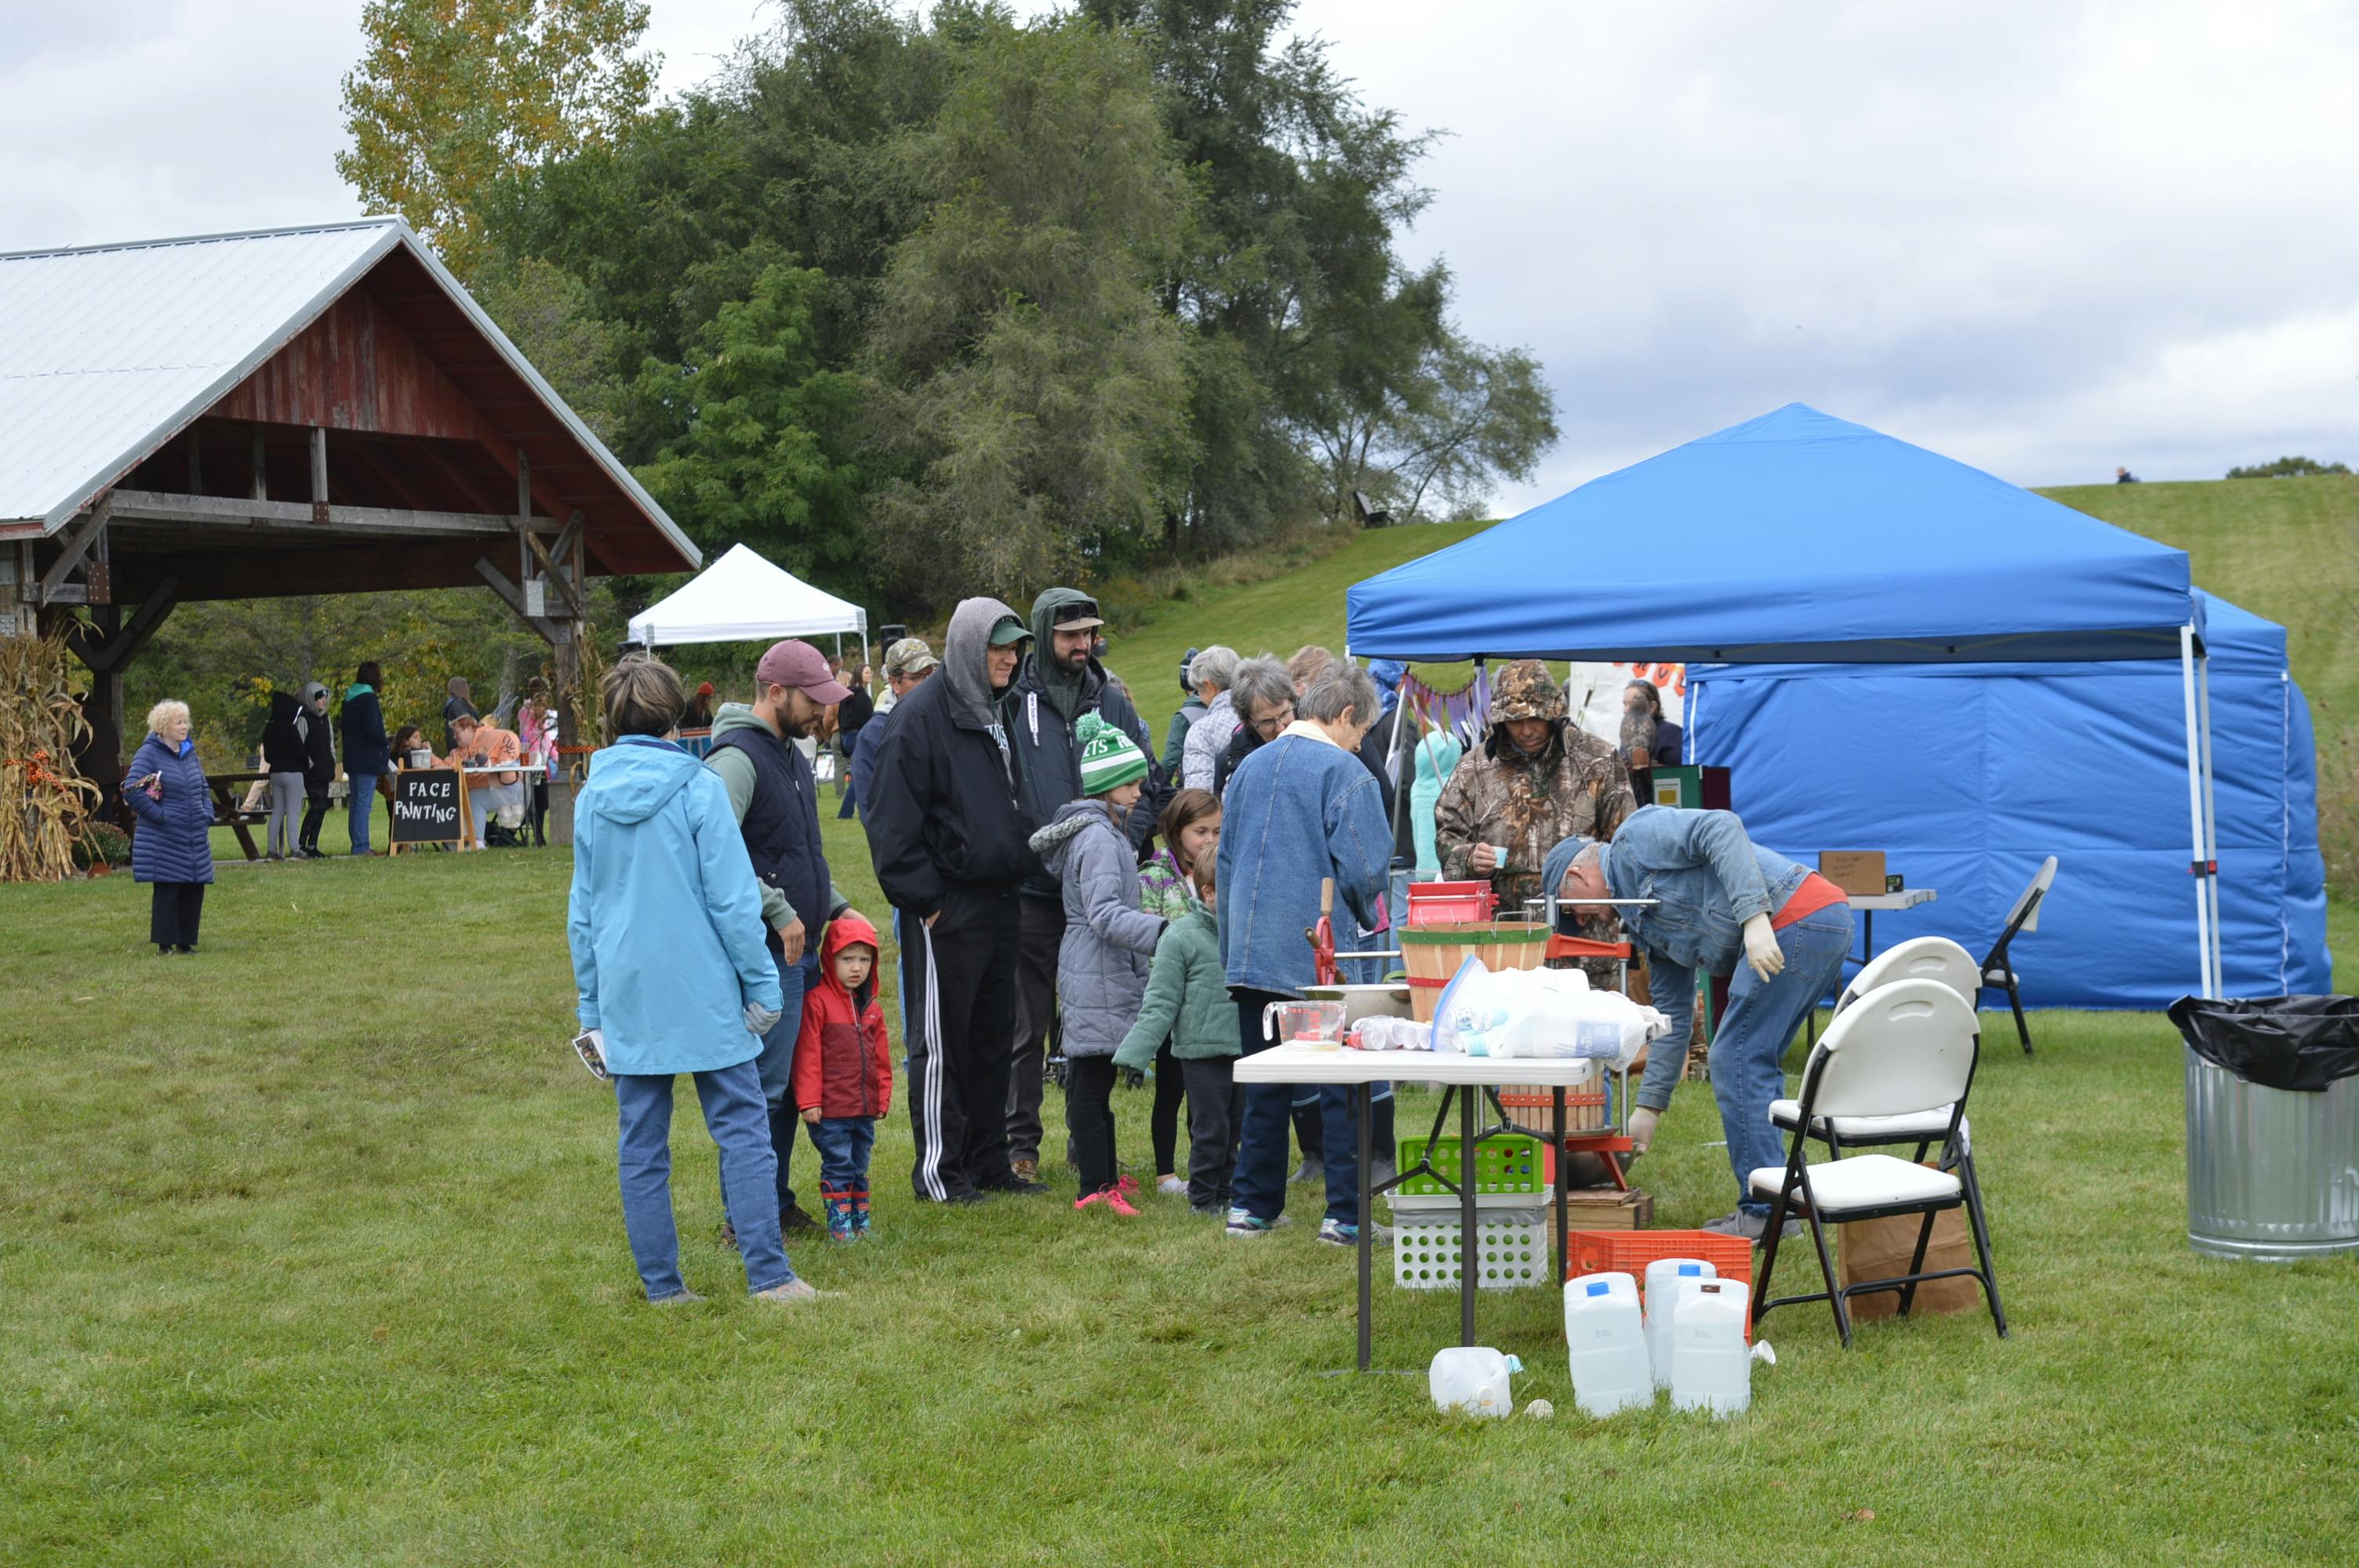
(1853, 871)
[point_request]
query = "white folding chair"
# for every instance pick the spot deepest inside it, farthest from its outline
(1998, 970)
(1903, 1050)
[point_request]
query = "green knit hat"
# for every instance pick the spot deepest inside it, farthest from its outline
(1110, 759)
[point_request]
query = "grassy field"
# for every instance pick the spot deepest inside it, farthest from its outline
(312, 1255)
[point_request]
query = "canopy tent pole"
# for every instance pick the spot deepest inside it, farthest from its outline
(2210, 823)
(2198, 773)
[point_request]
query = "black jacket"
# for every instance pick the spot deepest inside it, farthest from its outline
(285, 738)
(947, 809)
(319, 754)
(1052, 762)
(781, 824)
(362, 722)
(851, 715)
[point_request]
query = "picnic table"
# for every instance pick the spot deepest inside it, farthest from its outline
(1467, 1082)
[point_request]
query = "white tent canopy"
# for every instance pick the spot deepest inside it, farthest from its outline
(740, 598)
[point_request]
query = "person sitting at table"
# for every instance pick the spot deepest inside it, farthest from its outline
(484, 745)
(1730, 908)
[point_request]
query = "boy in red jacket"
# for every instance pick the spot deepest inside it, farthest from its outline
(843, 1076)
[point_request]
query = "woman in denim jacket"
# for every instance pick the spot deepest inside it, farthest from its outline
(1721, 898)
(1298, 810)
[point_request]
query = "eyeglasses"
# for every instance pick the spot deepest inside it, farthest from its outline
(1266, 728)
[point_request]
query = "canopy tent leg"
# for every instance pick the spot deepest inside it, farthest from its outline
(2198, 774)
(2211, 824)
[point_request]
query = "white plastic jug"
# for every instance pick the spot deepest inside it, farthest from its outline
(1473, 1379)
(1663, 1276)
(1608, 1345)
(1709, 1367)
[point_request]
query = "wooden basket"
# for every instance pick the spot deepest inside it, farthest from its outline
(1433, 953)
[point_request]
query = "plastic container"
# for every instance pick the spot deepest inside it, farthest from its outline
(1434, 903)
(1663, 1276)
(1472, 1378)
(1607, 1344)
(1629, 1252)
(1511, 1246)
(1711, 1370)
(1304, 1023)
(1505, 1162)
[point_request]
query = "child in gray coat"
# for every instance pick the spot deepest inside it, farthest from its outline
(1101, 963)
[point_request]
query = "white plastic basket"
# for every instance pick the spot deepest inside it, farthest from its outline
(1511, 1247)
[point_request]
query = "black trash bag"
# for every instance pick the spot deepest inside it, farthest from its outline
(2301, 1042)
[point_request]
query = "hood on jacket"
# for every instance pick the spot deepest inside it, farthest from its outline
(1064, 691)
(738, 716)
(633, 779)
(313, 692)
(1071, 821)
(963, 646)
(844, 931)
(284, 706)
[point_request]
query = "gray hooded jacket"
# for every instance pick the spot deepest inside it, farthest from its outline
(1101, 963)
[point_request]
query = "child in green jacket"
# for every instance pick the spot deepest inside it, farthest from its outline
(1187, 1002)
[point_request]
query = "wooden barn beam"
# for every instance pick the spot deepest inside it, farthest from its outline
(318, 474)
(220, 511)
(73, 545)
(552, 632)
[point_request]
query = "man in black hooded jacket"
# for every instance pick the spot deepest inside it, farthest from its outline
(1058, 682)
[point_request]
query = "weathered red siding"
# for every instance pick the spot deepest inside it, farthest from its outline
(354, 369)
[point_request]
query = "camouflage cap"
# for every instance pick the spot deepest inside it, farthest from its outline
(910, 656)
(1523, 691)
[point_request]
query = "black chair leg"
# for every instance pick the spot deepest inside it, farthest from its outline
(2015, 1000)
(1916, 1262)
(1768, 1256)
(1982, 1239)
(1827, 1269)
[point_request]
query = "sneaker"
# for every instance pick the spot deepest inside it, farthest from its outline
(1015, 1185)
(1310, 1174)
(1024, 1170)
(1086, 1199)
(1120, 1202)
(1752, 1226)
(795, 1220)
(1126, 1186)
(1171, 1187)
(789, 1291)
(679, 1298)
(1340, 1233)
(968, 1198)
(1210, 1210)
(1242, 1223)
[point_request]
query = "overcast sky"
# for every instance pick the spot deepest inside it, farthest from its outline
(2043, 238)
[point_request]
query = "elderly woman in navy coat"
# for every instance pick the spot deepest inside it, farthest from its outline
(172, 851)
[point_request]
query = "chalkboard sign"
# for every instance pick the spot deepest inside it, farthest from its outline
(426, 807)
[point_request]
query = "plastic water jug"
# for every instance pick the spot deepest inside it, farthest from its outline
(1472, 1378)
(1608, 1345)
(1709, 1367)
(1663, 1276)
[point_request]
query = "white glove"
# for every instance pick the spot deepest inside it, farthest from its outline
(760, 1020)
(1761, 949)
(1642, 1129)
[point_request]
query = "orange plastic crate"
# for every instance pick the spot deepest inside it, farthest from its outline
(1629, 1252)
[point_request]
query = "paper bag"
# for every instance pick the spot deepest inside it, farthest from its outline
(1879, 1249)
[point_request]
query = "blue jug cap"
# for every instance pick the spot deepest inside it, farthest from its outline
(1688, 1269)
(1597, 1287)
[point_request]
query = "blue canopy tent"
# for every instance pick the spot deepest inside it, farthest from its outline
(1798, 537)
(1968, 775)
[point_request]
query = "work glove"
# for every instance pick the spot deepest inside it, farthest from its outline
(1642, 1128)
(760, 1020)
(1761, 949)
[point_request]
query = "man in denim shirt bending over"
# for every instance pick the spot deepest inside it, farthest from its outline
(1721, 898)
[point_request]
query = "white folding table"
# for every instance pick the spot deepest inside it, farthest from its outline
(1867, 903)
(1466, 1079)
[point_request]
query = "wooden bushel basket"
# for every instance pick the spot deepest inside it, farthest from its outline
(1433, 953)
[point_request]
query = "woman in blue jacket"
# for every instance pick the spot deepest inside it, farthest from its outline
(366, 756)
(172, 851)
(674, 977)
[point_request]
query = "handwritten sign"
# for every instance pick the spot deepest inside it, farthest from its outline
(426, 807)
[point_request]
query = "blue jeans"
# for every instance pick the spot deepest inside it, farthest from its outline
(732, 1097)
(843, 1144)
(777, 1061)
(1265, 1141)
(1748, 1044)
(362, 800)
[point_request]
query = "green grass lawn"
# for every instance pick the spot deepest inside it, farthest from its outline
(313, 1254)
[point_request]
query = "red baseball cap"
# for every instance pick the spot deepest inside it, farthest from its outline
(800, 666)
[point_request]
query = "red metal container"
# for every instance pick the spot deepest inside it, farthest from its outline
(1442, 904)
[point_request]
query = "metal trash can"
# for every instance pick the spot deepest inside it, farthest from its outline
(2272, 1126)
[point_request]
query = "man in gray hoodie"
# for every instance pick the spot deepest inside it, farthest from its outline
(948, 834)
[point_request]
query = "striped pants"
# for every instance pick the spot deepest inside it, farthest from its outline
(958, 980)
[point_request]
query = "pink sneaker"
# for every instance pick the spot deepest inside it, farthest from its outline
(1088, 1198)
(1119, 1204)
(1126, 1186)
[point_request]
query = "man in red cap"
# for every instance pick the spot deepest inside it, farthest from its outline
(775, 802)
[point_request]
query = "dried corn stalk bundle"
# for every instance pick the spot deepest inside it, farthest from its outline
(42, 801)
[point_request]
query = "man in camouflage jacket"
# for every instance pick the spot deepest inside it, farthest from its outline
(1534, 779)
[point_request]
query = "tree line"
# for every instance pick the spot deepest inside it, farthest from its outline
(916, 305)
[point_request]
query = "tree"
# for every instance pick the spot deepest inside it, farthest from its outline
(452, 95)
(545, 311)
(760, 450)
(1022, 365)
(2287, 468)
(1472, 416)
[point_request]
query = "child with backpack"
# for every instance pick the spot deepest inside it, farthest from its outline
(843, 1077)
(1101, 962)
(1187, 1002)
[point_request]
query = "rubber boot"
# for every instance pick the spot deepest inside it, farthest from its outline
(860, 1210)
(840, 1226)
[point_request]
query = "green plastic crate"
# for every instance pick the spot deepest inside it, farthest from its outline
(1509, 1163)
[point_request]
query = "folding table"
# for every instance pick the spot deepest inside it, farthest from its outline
(1464, 1079)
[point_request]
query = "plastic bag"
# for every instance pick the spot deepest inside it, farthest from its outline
(1539, 1013)
(2300, 1042)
